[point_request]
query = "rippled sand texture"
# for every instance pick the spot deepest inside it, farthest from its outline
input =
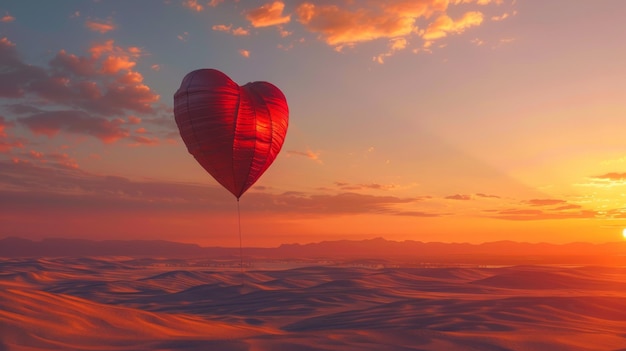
(125, 304)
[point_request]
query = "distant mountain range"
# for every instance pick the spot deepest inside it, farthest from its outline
(500, 252)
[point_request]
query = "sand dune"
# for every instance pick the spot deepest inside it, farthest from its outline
(117, 304)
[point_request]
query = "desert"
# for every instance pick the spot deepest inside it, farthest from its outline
(160, 303)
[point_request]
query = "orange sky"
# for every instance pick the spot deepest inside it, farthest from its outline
(456, 121)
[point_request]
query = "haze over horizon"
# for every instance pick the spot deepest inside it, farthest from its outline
(449, 121)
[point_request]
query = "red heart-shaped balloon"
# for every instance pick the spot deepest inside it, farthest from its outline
(234, 132)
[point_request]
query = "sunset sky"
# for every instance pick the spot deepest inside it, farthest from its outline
(427, 120)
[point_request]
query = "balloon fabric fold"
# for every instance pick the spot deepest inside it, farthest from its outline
(234, 132)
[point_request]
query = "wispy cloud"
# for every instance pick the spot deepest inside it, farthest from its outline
(99, 25)
(501, 17)
(8, 142)
(270, 14)
(7, 18)
(50, 123)
(16, 74)
(606, 180)
(612, 176)
(461, 197)
(534, 215)
(139, 140)
(88, 94)
(618, 213)
(41, 185)
(339, 204)
(483, 195)
(194, 5)
(370, 186)
(395, 44)
(54, 159)
(183, 37)
(403, 23)
(239, 31)
(4, 124)
(445, 25)
(545, 202)
(545, 209)
(351, 23)
(312, 155)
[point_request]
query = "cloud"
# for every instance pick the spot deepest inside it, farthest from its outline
(270, 14)
(221, 28)
(108, 47)
(612, 176)
(69, 63)
(618, 213)
(545, 202)
(534, 215)
(479, 2)
(46, 186)
(338, 26)
(7, 145)
(114, 64)
(347, 203)
(477, 42)
(7, 18)
(459, 197)
(7, 142)
(487, 196)
(183, 37)
(138, 140)
(4, 124)
(134, 120)
(395, 44)
(101, 26)
(194, 5)
(54, 159)
(607, 180)
(36, 185)
(311, 155)
(103, 82)
(15, 75)
(244, 53)
(51, 123)
(370, 186)
(239, 31)
(445, 25)
(502, 17)
(567, 207)
(21, 109)
(346, 24)
(548, 209)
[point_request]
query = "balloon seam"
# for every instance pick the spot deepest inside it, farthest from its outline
(269, 113)
(190, 120)
(232, 159)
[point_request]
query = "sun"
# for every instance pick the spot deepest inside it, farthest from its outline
(624, 233)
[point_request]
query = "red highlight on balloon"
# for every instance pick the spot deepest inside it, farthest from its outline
(234, 132)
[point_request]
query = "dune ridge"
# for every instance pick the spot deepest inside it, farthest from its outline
(113, 303)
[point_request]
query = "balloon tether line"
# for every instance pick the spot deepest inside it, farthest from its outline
(240, 245)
